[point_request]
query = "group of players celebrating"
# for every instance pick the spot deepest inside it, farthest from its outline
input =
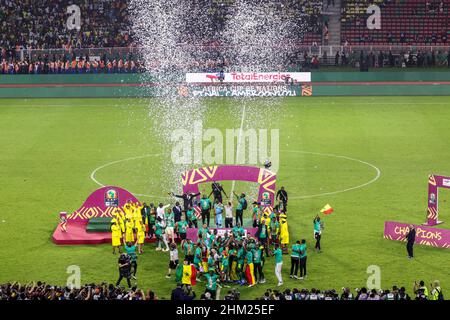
(224, 256)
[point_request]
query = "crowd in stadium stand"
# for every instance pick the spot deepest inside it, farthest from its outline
(76, 65)
(41, 24)
(29, 25)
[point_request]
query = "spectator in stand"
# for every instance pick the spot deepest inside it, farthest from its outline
(336, 59)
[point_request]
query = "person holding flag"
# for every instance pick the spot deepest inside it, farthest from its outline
(318, 226)
(186, 274)
(249, 269)
(317, 232)
(327, 209)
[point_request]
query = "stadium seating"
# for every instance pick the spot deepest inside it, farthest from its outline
(411, 22)
(42, 24)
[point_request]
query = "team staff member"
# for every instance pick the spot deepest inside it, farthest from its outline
(278, 263)
(410, 239)
(241, 206)
(282, 196)
(181, 229)
(151, 221)
(295, 260)
(130, 249)
(177, 213)
(188, 199)
(317, 232)
(303, 256)
(205, 205)
(124, 269)
(145, 212)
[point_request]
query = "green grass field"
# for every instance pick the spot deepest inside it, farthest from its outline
(49, 149)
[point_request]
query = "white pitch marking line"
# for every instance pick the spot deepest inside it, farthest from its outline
(123, 160)
(377, 176)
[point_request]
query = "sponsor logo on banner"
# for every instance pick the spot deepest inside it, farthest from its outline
(250, 77)
(307, 90)
(111, 198)
(446, 182)
(245, 91)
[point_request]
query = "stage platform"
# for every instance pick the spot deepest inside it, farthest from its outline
(77, 234)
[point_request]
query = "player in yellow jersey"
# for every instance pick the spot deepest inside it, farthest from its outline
(129, 231)
(140, 236)
(128, 211)
(284, 233)
(116, 235)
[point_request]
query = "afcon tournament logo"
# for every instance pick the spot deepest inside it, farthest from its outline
(111, 198)
(265, 199)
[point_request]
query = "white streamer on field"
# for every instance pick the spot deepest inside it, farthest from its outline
(257, 35)
(160, 27)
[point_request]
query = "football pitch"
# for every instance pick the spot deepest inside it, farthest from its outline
(368, 157)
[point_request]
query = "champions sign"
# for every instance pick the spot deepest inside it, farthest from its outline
(248, 77)
(424, 235)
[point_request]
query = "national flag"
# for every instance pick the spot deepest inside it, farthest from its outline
(186, 274)
(179, 273)
(249, 274)
(327, 209)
